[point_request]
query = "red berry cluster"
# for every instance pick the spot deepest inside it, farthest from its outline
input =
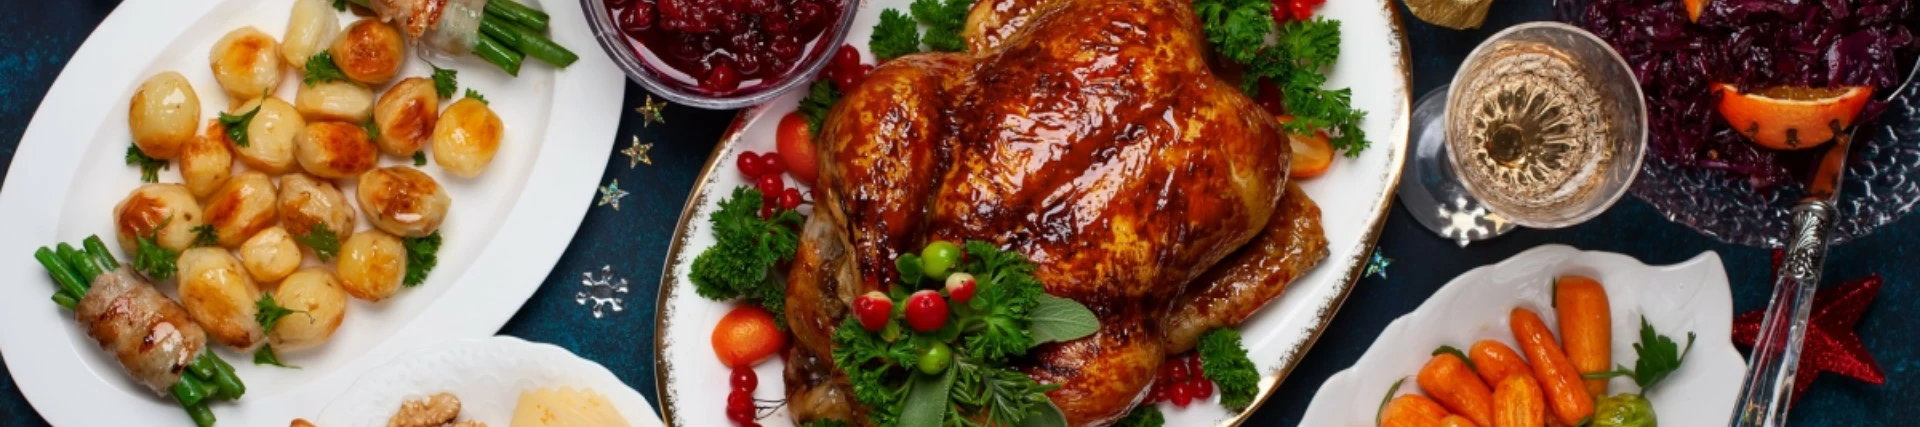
(766, 171)
(1294, 10)
(724, 42)
(845, 69)
(1181, 380)
(741, 408)
(926, 310)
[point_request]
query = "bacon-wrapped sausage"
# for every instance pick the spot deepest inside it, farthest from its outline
(502, 32)
(147, 332)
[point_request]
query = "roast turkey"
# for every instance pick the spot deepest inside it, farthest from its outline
(1089, 135)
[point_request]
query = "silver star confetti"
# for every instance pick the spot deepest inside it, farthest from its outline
(603, 291)
(637, 153)
(611, 194)
(1377, 264)
(651, 111)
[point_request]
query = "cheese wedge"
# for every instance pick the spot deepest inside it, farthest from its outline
(565, 407)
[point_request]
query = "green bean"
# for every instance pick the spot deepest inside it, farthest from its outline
(517, 13)
(223, 376)
(494, 52)
(100, 253)
(189, 391)
(528, 42)
(202, 416)
(67, 301)
(83, 264)
(202, 367)
(63, 274)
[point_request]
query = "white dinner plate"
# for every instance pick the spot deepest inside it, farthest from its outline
(1353, 195)
(487, 374)
(1691, 296)
(503, 233)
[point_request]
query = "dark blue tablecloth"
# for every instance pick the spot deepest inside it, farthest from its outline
(41, 36)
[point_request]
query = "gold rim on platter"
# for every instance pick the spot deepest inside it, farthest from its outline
(1269, 382)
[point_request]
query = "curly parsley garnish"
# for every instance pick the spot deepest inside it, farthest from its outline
(422, 255)
(320, 68)
(419, 158)
(1225, 362)
(477, 96)
(322, 240)
(151, 259)
(746, 249)
(898, 33)
(206, 236)
(1238, 31)
(1143, 416)
(1659, 357)
(149, 167)
(820, 99)
(444, 81)
(895, 36)
(236, 126)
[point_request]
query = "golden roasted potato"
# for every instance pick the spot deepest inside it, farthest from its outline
(205, 164)
(220, 296)
(165, 213)
(243, 207)
(306, 203)
(406, 115)
(270, 255)
(372, 263)
(369, 51)
(403, 201)
(466, 137)
(310, 27)
(336, 100)
(246, 62)
(335, 150)
(270, 135)
(319, 305)
(163, 115)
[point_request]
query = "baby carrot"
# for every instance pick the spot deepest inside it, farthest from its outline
(1517, 402)
(1452, 383)
(1565, 393)
(1457, 421)
(1412, 410)
(1586, 327)
(1495, 361)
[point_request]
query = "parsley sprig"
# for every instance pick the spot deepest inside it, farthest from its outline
(898, 33)
(422, 255)
(236, 126)
(320, 68)
(149, 167)
(820, 99)
(269, 312)
(1143, 416)
(1225, 362)
(206, 236)
(1294, 63)
(322, 240)
(475, 95)
(1659, 357)
(266, 356)
(741, 262)
(151, 259)
(445, 80)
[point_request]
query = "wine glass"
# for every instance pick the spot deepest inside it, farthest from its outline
(1543, 126)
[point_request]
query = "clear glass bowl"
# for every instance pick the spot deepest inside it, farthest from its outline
(643, 66)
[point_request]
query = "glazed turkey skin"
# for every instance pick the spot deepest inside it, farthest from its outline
(1090, 136)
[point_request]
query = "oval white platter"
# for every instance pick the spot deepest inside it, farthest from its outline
(505, 230)
(1354, 196)
(1691, 296)
(487, 374)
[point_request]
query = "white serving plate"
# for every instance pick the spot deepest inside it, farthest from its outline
(1691, 296)
(487, 374)
(1354, 197)
(503, 234)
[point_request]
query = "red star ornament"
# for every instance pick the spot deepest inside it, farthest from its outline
(1831, 344)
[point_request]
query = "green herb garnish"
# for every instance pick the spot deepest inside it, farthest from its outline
(746, 249)
(820, 99)
(419, 158)
(895, 36)
(266, 356)
(149, 167)
(1238, 31)
(322, 240)
(945, 19)
(205, 235)
(151, 259)
(237, 126)
(1659, 357)
(320, 68)
(445, 80)
(477, 96)
(268, 312)
(1225, 362)
(1143, 416)
(422, 255)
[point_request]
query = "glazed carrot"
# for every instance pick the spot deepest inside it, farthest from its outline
(1517, 402)
(1586, 327)
(1566, 394)
(1495, 361)
(1412, 410)
(1452, 383)
(1457, 421)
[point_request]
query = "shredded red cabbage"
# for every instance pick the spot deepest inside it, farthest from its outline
(1748, 43)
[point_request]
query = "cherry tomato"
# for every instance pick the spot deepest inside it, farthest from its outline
(796, 146)
(749, 164)
(939, 258)
(790, 199)
(770, 185)
(936, 358)
(746, 336)
(960, 287)
(874, 310)
(743, 378)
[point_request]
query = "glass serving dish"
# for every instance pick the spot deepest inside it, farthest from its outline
(643, 63)
(1882, 180)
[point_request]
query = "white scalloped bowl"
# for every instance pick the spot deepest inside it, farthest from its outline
(1689, 296)
(487, 374)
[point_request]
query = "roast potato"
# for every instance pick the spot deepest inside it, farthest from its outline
(163, 115)
(270, 135)
(243, 207)
(307, 203)
(270, 255)
(466, 137)
(310, 27)
(246, 62)
(220, 296)
(335, 150)
(406, 115)
(165, 213)
(205, 164)
(336, 100)
(319, 305)
(369, 51)
(372, 263)
(403, 201)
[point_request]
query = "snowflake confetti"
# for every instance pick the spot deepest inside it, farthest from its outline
(637, 153)
(611, 194)
(1377, 264)
(603, 291)
(651, 111)
(1467, 221)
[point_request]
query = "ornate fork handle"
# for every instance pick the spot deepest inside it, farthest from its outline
(1776, 355)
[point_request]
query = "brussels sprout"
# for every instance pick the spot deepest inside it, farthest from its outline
(1624, 410)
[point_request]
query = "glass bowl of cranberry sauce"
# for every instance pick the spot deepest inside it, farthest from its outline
(720, 54)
